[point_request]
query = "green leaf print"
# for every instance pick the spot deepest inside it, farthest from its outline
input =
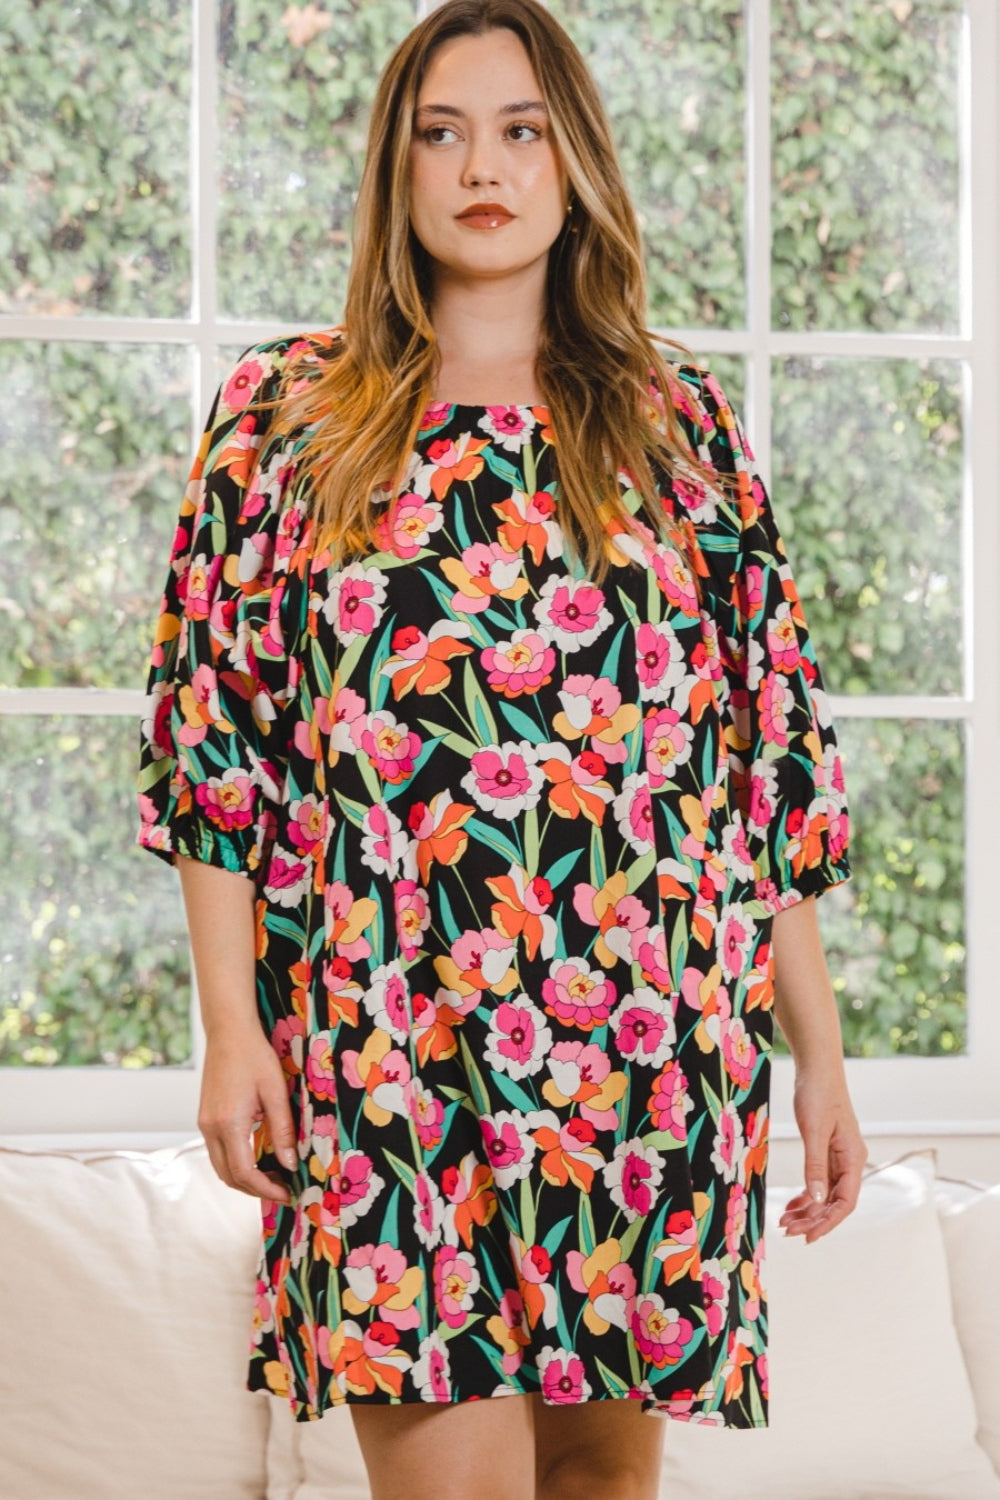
(354, 811)
(756, 1409)
(456, 742)
(562, 867)
(486, 833)
(389, 1229)
(452, 931)
(522, 724)
(480, 1097)
(478, 707)
(556, 1234)
(640, 870)
(502, 467)
(530, 826)
(712, 1099)
(612, 1382)
(585, 1220)
(609, 666)
(527, 1215)
(513, 1092)
(630, 1234)
(403, 1170)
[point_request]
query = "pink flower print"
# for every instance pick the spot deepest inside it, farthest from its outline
(483, 571)
(763, 796)
(416, 518)
(659, 660)
(391, 747)
(288, 877)
(382, 839)
(355, 603)
(751, 592)
(582, 1074)
(427, 1114)
(632, 1177)
(776, 702)
(633, 809)
(239, 388)
(659, 1331)
(346, 920)
(649, 950)
(838, 835)
(510, 1147)
(670, 1101)
(593, 706)
(431, 1372)
(319, 1068)
(428, 1209)
(668, 743)
(645, 1033)
(510, 1330)
(387, 999)
(413, 916)
(738, 1052)
(572, 611)
(505, 779)
(378, 1276)
(456, 1282)
(287, 1037)
(343, 718)
(674, 578)
(201, 581)
(307, 818)
(563, 1380)
(578, 995)
(227, 800)
(728, 1146)
(783, 640)
(521, 665)
(507, 426)
(735, 935)
(519, 1038)
(737, 1208)
(356, 1185)
(715, 1294)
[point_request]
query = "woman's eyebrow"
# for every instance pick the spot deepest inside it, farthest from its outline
(519, 107)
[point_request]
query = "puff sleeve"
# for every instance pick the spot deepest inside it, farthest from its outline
(784, 758)
(223, 670)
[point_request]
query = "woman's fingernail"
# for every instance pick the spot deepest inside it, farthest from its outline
(288, 1158)
(817, 1191)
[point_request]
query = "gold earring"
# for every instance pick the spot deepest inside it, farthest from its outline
(569, 210)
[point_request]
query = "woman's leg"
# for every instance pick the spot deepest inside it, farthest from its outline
(610, 1448)
(467, 1450)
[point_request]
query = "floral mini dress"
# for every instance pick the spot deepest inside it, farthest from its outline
(516, 842)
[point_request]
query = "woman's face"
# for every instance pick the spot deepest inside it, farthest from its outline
(476, 151)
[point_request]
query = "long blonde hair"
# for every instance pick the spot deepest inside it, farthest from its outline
(364, 402)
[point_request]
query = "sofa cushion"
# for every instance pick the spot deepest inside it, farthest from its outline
(970, 1219)
(129, 1287)
(869, 1392)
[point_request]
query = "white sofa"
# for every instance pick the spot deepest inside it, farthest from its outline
(127, 1298)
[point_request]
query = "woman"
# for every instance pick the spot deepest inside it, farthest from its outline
(500, 796)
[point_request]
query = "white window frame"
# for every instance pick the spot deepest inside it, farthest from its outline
(892, 1096)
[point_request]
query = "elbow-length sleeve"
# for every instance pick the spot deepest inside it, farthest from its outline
(783, 752)
(223, 669)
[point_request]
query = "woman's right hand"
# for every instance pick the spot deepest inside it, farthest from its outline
(243, 1083)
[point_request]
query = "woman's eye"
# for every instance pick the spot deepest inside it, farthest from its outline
(521, 125)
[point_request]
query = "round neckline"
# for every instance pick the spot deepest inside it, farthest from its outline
(491, 406)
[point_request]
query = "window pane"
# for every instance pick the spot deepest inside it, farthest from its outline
(672, 76)
(865, 172)
(94, 146)
(95, 957)
(96, 441)
(894, 933)
(868, 489)
(295, 86)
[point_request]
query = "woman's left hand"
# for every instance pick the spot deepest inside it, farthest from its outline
(835, 1153)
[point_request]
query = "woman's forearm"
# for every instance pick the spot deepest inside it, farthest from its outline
(805, 1006)
(220, 906)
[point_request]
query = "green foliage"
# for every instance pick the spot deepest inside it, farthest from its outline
(894, 934)
(95, 957)
(865, 178)
(868, 485)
